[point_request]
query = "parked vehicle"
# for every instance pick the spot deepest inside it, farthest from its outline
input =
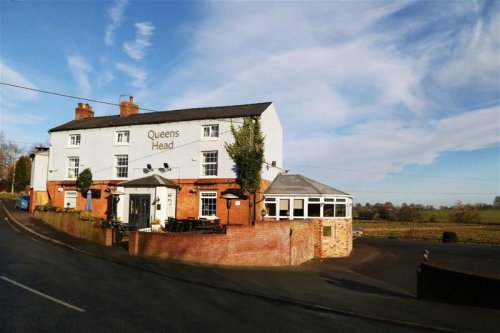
(357, 232)
(23, 202)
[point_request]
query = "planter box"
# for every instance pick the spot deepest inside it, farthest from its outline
(71, 224)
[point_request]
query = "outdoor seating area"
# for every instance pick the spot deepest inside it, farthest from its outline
(192, 224)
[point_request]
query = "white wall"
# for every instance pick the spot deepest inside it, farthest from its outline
(98, 149)
(273, 134)
(38, 181)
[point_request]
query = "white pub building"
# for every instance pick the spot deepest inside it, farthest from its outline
(157, 165)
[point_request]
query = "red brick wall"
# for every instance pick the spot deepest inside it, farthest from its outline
(187, 200)
(266, 244)
(99, 206)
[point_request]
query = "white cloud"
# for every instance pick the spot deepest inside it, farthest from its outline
(80, 70)
(389, 146)
(104, 78)
(115, 14)
(348, 92)
(137, 49)
(137, 75)
(475, 57)
(11, 76)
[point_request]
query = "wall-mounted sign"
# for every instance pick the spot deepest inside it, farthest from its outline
(158, 141)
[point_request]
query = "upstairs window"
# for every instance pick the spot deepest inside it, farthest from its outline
(73, 167)
(210, 131)
(122, 137)
(121, 166)
(209, 163)
(74, 140)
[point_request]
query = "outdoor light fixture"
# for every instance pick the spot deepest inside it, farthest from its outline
(228, 197)
(165, 165)
(149, 167)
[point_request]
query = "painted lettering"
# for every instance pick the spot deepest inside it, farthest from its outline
(162, 145)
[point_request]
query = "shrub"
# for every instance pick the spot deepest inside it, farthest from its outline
(450, 237)
(465, 214)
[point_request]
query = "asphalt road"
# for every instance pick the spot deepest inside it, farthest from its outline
(47, 288)
(396, 261)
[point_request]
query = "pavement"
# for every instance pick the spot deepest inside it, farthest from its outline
(326, 285)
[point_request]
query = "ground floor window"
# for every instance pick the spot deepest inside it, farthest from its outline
(298, 207)
(314, 207)
(293, 208)
(70, 199)
(284, 208)
(208, 204)
(270, 204)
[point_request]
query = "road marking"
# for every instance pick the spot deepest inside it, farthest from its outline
(10, 224)
(42, 294)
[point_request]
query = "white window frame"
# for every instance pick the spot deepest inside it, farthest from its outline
(205, 164)
(73, 167)
(210, 132)
(119, 167)
(74, 140)
(321, 201)
(120, 136)
(208, 195)
(70, 197)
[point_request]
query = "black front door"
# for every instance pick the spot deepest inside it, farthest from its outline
(139, 210)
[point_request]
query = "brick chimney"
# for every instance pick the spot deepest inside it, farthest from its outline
(83, 111)
(128, 107)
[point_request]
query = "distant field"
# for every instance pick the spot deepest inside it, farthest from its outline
(487, 216)
(5, 195)
(430, 230)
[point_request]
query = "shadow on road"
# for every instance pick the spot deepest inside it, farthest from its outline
(363, 288)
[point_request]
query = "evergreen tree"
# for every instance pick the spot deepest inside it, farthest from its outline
(247, 152)
(84, 180)
(23, 174)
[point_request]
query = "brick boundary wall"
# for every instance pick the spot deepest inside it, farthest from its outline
(266, 244)
(70, 223)
(437, 283)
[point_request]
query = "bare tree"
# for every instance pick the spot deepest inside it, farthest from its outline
(9, 154)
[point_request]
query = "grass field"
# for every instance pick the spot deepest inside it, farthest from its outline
(11, 196)
(489, 233)
(440, 215)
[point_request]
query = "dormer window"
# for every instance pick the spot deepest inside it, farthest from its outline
(74, 140)
(122, 137)
(211, 131)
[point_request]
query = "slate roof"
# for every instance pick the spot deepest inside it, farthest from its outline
(218, 112)
(149, 181)
(289, 184)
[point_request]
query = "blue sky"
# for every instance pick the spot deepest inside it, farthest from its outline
(389, 101)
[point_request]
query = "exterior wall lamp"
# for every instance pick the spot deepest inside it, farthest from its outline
(228, 197)
(150, 168)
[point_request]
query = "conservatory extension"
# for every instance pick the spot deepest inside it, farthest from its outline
(297, 197)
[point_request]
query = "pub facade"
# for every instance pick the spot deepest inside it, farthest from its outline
(155, 165)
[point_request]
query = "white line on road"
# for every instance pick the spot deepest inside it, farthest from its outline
(42, 294)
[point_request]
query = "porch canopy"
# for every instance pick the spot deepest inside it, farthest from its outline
(147, 199)
(149, 181)
(293, 196)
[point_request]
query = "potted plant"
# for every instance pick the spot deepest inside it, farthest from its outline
(155, 224)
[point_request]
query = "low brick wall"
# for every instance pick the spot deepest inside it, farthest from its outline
(265, 244)
(446, 285)
(335, 237)
(71, 224)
